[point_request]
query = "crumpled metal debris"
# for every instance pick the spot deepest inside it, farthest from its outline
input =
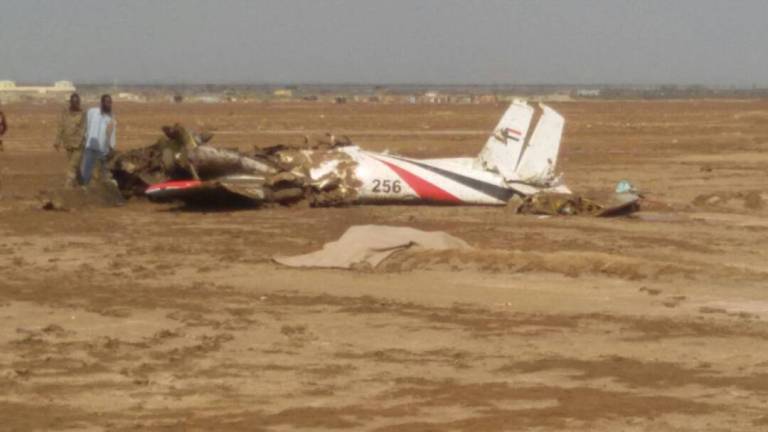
(164, 160)
(558, 204)
(317, 171)
(208, 162)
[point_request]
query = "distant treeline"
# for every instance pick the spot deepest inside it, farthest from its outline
(502, 91)
(681, 92)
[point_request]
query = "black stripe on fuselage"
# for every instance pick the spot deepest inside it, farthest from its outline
(498, 192)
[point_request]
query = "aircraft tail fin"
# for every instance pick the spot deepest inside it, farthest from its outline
(504, 147)
(539, 157)
(515, 155)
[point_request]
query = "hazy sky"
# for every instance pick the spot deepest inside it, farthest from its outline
(713, 42)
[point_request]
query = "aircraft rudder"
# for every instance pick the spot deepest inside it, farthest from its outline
(503, 148)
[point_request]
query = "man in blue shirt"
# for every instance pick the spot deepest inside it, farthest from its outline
(100, 128)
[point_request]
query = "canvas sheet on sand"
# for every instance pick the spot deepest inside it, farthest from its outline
(372, 244)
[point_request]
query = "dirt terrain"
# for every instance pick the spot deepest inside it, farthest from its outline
(156, 317)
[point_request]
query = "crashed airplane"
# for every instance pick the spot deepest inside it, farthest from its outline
(519, 159)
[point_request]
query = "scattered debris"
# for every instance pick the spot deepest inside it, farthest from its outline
(52, 204)
(554, 204)
(515, 203)
(97, 194)
(558, 204)
(740, 200)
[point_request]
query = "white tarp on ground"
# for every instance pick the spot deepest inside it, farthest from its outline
(372, 244)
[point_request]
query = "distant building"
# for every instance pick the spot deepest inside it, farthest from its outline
(431, 97)
(207, 99)
(283, 93)
(588, 92)
(554, 97)
(461, 99)
(58, 87)
(10, 91)
(486, 99)
(130, 97)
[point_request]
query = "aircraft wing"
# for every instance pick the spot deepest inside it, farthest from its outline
(234, 190)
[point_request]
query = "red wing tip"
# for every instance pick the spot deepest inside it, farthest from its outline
(173, 184)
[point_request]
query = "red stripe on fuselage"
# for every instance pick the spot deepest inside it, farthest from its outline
(423, 188)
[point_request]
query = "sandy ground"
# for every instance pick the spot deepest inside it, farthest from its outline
(152, 317)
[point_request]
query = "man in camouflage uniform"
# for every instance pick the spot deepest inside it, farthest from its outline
(3, 128)
(70, 137)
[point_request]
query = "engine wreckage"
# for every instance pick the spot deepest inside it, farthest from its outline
(516, 165)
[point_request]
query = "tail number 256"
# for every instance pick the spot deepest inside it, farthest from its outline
(387, 186)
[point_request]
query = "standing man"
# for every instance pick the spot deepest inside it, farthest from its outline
(70, 136)
(3, 128)
(100, 128)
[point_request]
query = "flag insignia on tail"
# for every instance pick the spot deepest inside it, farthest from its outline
(507, 134)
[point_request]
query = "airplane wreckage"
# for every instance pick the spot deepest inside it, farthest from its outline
(517, 163)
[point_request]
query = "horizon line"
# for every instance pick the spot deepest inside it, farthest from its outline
(754, 86)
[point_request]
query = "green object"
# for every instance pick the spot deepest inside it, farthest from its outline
(624, 186)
